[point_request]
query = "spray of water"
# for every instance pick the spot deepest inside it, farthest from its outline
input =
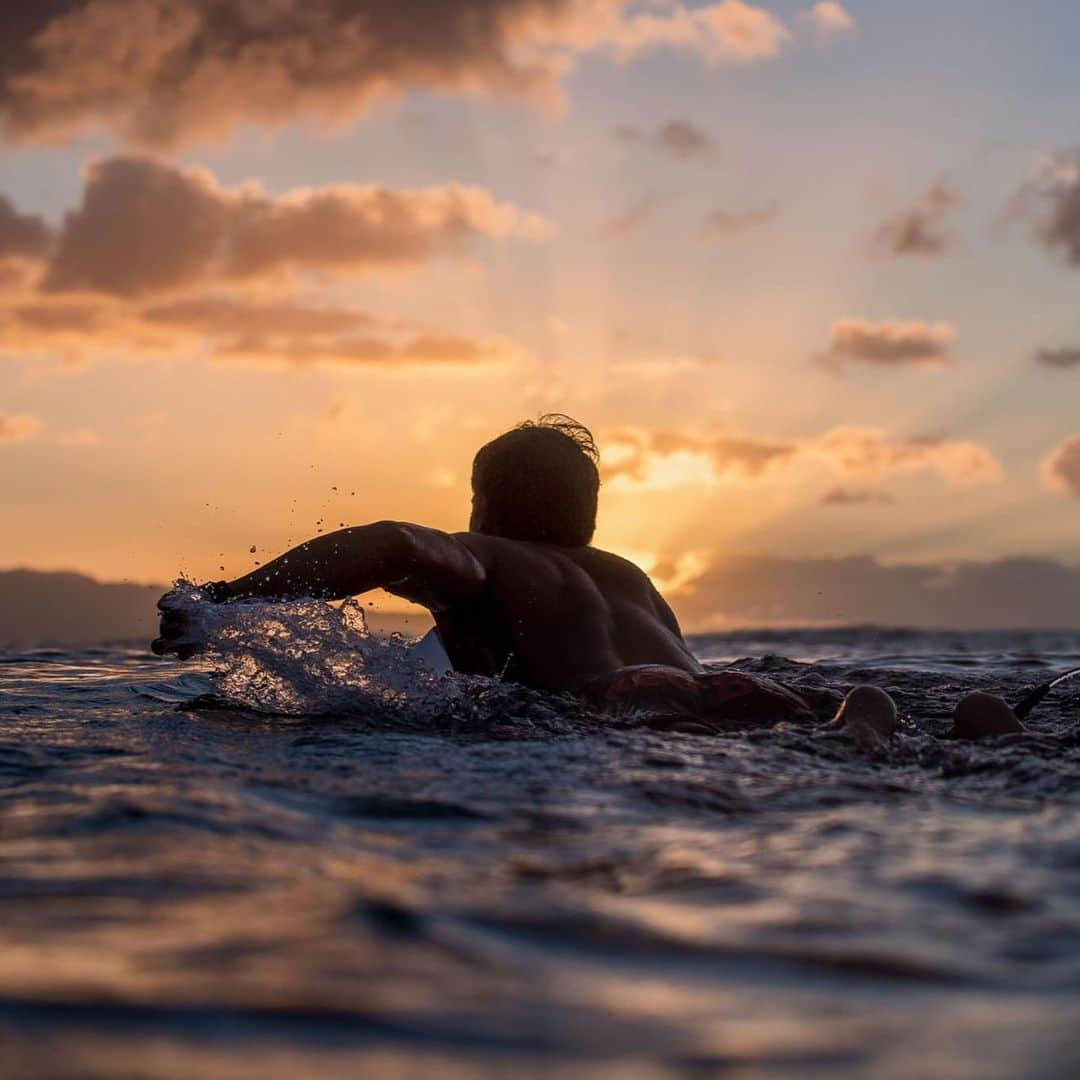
(308, 657)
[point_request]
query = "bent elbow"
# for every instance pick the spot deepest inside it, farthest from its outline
(389, 543)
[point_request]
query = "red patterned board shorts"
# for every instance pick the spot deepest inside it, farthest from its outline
(665, 697)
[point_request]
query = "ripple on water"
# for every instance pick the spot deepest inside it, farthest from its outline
(429, 877)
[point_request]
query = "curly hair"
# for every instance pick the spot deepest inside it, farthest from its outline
(539, 481)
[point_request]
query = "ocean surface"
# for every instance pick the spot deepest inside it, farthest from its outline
(301, 857)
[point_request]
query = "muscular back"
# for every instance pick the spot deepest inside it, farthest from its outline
(553, 617)
(546, 616)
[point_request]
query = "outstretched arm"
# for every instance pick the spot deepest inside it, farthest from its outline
(424, 565)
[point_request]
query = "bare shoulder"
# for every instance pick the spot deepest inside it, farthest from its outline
(604, 567)
(613, 570)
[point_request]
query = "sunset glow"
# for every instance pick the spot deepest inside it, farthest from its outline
(808, 271)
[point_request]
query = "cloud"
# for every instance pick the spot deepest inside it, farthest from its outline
(919, 229)
(79, 438)
(21, 234)
(441, 351)
(634, 216)
(725, 223)
(644, 460)
(78, 330)
(19, 428)
(827, 19)
(867, 454)
(843, 496)
(164, 72)
(730, 31)
(1061, 469)
(230, 315)
(662, 459)
(160, 72)
(888, 343)
(761, 591)
(1051, 201)
(146, 227)
(159, 260)
(677, 138)
(1062, 359)
(238, 328)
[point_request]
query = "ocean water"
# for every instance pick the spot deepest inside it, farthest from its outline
(303, 857)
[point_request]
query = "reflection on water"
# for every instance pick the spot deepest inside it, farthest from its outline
(508, 888)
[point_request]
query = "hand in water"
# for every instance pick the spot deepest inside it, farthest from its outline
(182, 630)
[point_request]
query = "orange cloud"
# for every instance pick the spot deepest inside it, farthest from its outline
(1061, 469)
(80, 438)
(661, 459)
(888, 343)
(827, 19)
(163, 72)
(638, 459)
(728, 31)
(146, 227)
(160, 260)
(865, 453)
(19, 428)
(232, 328)
(436, 351)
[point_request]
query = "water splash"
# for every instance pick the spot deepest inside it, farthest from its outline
(308, 657)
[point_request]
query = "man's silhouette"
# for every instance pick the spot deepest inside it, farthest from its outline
(522, 595)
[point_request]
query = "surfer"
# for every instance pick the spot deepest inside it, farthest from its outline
(522, 594)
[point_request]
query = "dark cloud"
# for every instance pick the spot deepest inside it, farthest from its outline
(22, 234)
(842, 496)
(677, 138)
(919, 230)
(1053, 200)
(725, 223)
(1058, 358)
(1003, 594)
(1062, 468)
(634, 216)
(146, 227)
(164, 72)
(888, 343)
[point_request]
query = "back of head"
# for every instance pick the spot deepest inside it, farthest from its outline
(538, 482)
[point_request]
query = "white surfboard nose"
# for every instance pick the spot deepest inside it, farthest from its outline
(430, 652)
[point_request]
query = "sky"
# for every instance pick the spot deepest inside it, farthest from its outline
(808, 271)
